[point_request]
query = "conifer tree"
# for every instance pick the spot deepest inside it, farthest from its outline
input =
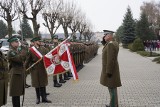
(26, 29)
(143, 30)
(128, 28)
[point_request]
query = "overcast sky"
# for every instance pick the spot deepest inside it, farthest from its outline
(105, 14)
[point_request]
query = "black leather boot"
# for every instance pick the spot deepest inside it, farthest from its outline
(16, 101)
(38, 95)
(56, 84)
(66, 76)
(62, 81)
(43, 94)
(69, 74)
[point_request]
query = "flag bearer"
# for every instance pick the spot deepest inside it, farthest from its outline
(38, 73)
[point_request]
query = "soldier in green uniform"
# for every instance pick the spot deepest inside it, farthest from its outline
(3, 79)
(16, 58)
(110, 75)
(24, 46)
(61, 80)
(38, 73)
(67, 74)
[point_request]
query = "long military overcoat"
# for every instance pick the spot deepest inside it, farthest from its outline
(17, 72)
(110, 65)
(38, 73)
(3, 80)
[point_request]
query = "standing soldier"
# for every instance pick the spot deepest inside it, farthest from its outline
(38, 72)
(16, 59)
(61, 80)
(66, 74)
(24, 46)
(3, 79)
(110, 75)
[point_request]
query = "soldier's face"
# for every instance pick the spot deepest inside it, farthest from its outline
(55, 40)
(108, 37)
(15, 44)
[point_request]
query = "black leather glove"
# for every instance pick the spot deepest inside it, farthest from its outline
(109, 75)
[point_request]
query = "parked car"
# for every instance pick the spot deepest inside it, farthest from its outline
(5, 46)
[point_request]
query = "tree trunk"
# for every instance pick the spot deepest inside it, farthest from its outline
(9, 28)
(74, 35)
(85, 38)
(35, 28)
(80, 37)
(65, 32)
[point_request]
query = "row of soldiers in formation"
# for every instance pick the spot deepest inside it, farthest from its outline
(19, 58)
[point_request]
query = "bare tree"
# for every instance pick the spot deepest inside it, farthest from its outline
(150, 9)
(51, 15)
(66, 15)
(9, 13)
(82, 26)
(74, 25)
(35, 6)
(88, 33)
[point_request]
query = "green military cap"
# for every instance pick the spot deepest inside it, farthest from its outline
(36, 39)
(12, 39)
(60, 39)
(106, 32)
(55, 37)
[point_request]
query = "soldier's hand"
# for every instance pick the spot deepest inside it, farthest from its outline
(109, 75)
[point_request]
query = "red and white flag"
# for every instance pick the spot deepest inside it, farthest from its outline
(60, 60)
(36, 52)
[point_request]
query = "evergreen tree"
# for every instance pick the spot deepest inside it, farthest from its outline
(26, 29)
(128, 28)
(142, 28)
(3, 29)
(119, 34)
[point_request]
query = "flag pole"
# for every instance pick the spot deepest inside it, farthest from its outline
(33, 64)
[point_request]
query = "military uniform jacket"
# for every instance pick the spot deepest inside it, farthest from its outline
(16, 68)
(110, 65)
(38, 72)
(3, 79)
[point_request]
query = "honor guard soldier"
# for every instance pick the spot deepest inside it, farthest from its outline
(24, 46)
(67, 74)
(16, 59)
(38, 73)
(55, 80)
(3, 78)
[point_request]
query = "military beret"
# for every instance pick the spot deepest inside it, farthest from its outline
(36, 39)
(12, 39)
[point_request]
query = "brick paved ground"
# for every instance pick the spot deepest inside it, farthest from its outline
(140, 79)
